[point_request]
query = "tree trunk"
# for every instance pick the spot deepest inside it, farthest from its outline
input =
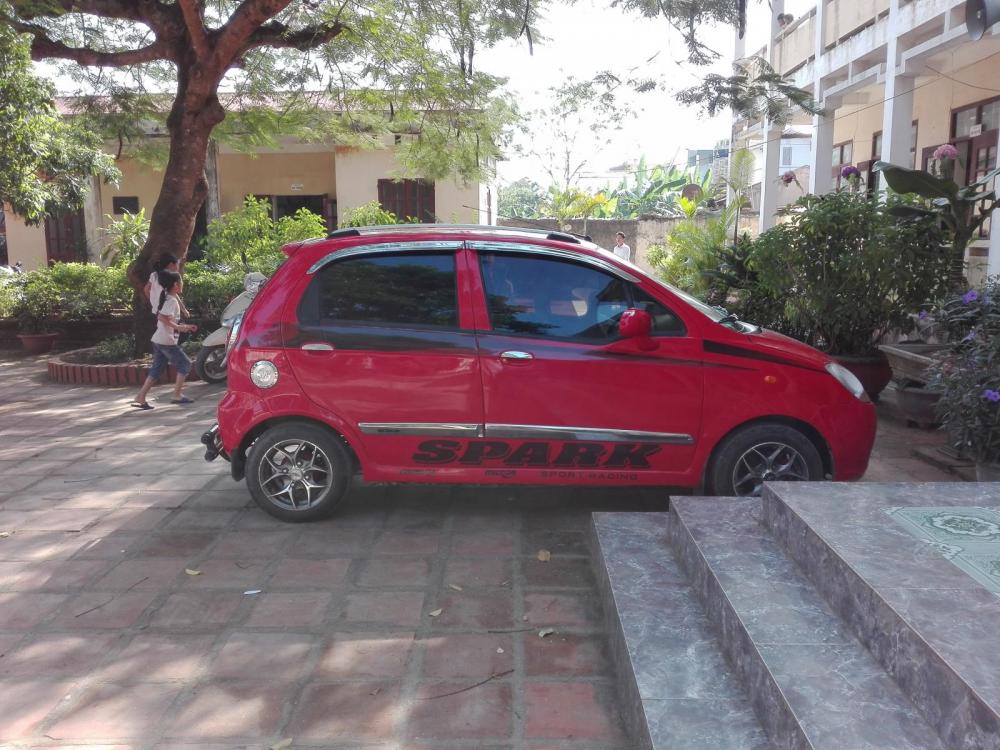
(195, 113)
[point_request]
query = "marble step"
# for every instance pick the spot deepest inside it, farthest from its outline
(812, 684)
(877, 554)
(678, 691)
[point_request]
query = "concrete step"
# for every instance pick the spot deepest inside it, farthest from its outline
(812, 684)
(678, 691)
(914, 572)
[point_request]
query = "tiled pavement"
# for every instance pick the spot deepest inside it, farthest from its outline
(410, 620)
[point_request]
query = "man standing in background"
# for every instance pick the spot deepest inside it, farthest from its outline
(620, 249)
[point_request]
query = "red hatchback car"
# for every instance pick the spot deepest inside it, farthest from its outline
(506, 356)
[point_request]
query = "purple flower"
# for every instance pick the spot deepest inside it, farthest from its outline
(971, 335)
(850, 171)
(923, 315)
(993, 396)
(788, 177)
(947, 151)
(970, 296)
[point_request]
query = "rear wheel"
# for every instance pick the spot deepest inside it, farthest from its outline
(298, 471)
(210, 364)
(762, 453)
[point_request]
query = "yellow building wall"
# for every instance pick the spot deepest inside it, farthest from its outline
(310, 173)
(24, 243)
(139, 180)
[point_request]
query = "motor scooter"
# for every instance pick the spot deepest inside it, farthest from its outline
(211, 362)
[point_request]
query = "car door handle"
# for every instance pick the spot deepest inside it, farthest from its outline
(515, 358)
(316, 346)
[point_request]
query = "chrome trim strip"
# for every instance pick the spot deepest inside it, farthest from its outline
(433, 429)
(384, 247)
(596, 434)
(554, 252)
(316, 347)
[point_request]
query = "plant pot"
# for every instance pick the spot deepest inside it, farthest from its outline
(909, 361)
(37, 343)
(987, 472)
(873, 371)
(917, 405)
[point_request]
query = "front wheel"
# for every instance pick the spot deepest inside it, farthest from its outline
(298, 471)
(762, 453)
(210, 364)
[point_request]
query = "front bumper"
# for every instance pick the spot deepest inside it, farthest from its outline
(213, 444)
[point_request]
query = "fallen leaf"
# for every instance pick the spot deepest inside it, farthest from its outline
(251, 592)
(454, 586)
(546, 631)
(544, 555)
(192, 572)
(436, 612)
(376, 691)
(4, 534)
(282, 745)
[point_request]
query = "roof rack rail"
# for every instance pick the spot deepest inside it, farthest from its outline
(407, 228)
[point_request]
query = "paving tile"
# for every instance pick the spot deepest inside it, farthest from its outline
(361, 711)
(131, 519)
(143, 573)
(395, 572)
(49, 520)
(397, 609)
(176, 544)
(329, 541)
(315, 574)
(392, 542)
(197, 609)
(227, 574)
(440, 712)
(26, 704)
(571, 710)
(479, 655)
(562, 609)
(209, 500)
(155, 657)
(57, 655)
(306, 609)
(111, 711)
(104, 609)
(558, 572)
(201, 519)
(231, 709)
(112, 546)
(352, 656)
(483, 543)
(477, 572)
(556, 542)
(475, 610)
(566, 655)
(32, 575)
(279, 656)
(251, 544)
(24, 611)
(41, 545)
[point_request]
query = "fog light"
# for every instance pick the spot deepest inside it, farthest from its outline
(264, 374)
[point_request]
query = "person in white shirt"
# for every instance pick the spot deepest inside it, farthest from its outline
(166, 351)
(620, 249)
(166, 262)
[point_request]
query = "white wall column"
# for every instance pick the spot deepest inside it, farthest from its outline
(771, 159)
(821, 151)
(739, 52)
(993, 263)
(897, 111)
(93, 221)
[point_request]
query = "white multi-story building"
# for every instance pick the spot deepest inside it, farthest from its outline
(896, 79)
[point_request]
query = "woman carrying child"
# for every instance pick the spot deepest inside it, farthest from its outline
(165, 348)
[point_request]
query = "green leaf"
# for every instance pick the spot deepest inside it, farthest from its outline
(924, 184)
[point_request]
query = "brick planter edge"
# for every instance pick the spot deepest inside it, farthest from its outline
(74, 373)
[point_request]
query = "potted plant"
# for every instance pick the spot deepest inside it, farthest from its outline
(968, 376)
(850, 270)
(39, 303)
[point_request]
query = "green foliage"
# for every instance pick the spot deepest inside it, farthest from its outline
(572, 203)
(849, 269)
(968, 376)
(654, 191)
(370, 214)
(117, 348)
(37, 304)
(69, 292)
(10, 290)
(520, 199)
(208, 290)
(126, 236)
(46, 163)
(247, 239)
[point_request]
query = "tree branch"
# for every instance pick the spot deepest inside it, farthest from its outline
(245, 20)
(152, 13)
(275, 34)
(195, 27)
(44, 47)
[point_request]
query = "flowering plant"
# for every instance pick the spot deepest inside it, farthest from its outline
(947, 151)
(787, 178)
(968, 376)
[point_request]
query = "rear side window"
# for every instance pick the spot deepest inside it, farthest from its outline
(405, 290)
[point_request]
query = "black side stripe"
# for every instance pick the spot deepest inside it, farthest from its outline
(717, 347)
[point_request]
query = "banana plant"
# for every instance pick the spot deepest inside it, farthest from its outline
(953, 205)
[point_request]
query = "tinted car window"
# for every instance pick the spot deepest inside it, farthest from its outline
(406, 290)
(553, 298)
(665, 323)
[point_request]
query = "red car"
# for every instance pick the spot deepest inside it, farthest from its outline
(506, 356)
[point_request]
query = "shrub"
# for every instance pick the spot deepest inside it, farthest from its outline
(38, 303)
(88, 291)
(850, 270)
(10, 292)
(126, 236)
(368, 215)
(114, 349)
(207, 291)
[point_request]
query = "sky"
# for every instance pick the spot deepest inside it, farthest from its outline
(588, 37)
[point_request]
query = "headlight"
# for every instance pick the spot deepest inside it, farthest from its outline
(234, 331)
(264, 374)
(847, 379)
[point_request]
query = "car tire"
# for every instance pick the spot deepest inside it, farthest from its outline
(298, 471)
(757, 453)
(207, 364)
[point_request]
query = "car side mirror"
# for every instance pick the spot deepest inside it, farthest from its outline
(637, 324)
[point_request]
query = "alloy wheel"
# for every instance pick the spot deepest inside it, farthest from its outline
(768, 462)
(295, 474)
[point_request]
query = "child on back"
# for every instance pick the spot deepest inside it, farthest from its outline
(166, 262)
(165, 348)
